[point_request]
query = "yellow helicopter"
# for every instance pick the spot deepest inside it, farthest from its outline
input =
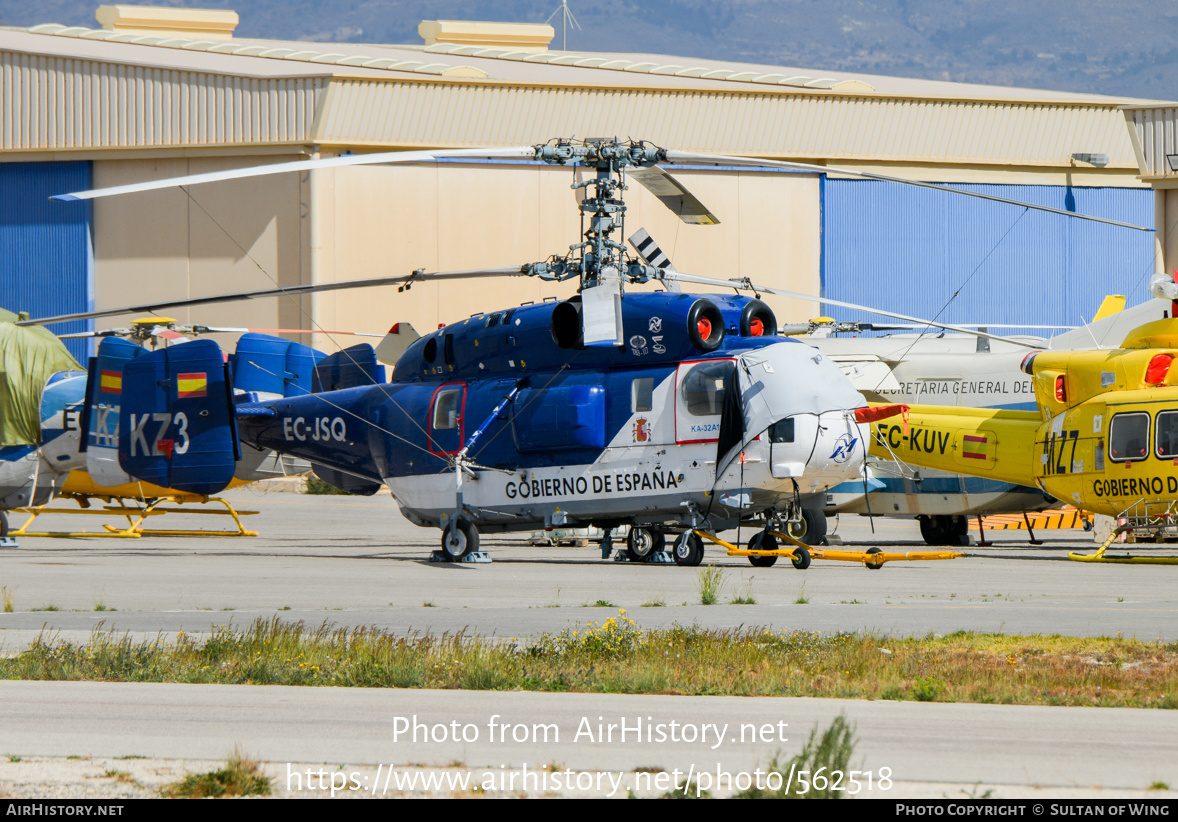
(1104, 438)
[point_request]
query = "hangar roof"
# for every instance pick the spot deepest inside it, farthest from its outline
(79, 89)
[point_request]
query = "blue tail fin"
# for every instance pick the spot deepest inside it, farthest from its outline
(273, 365)
(177, 428)
(350, 368)
(101, 412)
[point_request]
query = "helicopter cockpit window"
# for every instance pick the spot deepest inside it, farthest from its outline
(642, 394)
(1128, 437)
(703, 388)
(782, 430)
(446, 409)
(1166, 436)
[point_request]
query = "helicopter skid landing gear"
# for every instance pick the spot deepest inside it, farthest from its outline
(689, 550)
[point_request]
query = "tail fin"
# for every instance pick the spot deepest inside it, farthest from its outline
(102, 409)
(272, 365)
(352, 367)
(178, 428)
(396, 343)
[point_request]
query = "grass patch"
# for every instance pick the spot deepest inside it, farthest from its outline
(241, 776)
(819, 758)
(601, 603)
(6, 595)
(49, 607)
(745, 596)
(618, 656)
(711, 582)
(318, 487)
(802, 598)
(655, 602)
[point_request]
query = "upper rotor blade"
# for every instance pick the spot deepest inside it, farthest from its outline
(674, 195)
(294, 290)
(381, 158)
(686, 157)
(746, 285)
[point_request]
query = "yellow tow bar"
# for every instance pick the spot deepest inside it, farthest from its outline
(801, 553)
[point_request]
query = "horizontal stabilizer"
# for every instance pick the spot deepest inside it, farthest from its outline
(177, 429)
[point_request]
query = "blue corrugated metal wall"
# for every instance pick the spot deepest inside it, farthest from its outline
(46, 258)
(909, 250)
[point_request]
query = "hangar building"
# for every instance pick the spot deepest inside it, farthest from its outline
(155, 92)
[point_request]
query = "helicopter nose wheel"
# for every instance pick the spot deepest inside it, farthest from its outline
(688, 550)
(462, 540)
(643, 543)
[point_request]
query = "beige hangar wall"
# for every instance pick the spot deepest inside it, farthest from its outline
(379, 221)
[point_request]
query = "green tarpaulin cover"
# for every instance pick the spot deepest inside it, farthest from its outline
(29, 356)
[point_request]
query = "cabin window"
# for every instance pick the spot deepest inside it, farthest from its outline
(782, 430)
(1128, 437)
(446, 409)
(448, 349)
(703, 388)
(1166, 435)
(642, 394)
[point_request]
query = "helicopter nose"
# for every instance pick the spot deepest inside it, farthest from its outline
(839, 450)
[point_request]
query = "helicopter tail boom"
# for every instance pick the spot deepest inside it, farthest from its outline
(995, 444)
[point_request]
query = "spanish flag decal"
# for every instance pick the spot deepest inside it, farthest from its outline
(192, 385)
(110, 382)
(975, 448)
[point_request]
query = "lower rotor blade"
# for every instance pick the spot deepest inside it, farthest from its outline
(294, 290)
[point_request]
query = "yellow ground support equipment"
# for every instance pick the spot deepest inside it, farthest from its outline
(801, 553)
(1142, 519)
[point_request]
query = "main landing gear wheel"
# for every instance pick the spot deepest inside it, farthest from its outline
(944, 530)
(871, 564)
(812, 528)
(461, 541)
(689, 550)
(763, 541)
(641, 543)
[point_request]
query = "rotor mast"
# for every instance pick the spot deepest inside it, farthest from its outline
(598, 259)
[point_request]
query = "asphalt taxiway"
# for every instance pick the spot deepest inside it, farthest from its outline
(356, 562)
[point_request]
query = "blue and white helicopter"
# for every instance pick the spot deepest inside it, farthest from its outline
(665, 412)
(670, 413)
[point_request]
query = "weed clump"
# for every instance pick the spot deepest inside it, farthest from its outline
(241, 776)
(809, 774)
(711, 582)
